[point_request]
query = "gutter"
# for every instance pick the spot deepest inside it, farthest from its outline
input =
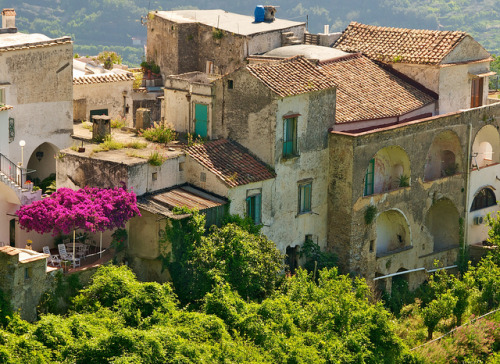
(413, 270)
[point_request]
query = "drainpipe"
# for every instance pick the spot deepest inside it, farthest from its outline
(467, 187)
(413, 270)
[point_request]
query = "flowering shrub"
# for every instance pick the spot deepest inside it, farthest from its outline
(91, 209)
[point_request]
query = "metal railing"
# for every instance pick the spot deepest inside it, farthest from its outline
(12, 171)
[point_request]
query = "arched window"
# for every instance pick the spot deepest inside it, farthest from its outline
(485, 198)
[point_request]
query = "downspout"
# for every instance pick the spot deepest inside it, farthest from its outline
(467, 188)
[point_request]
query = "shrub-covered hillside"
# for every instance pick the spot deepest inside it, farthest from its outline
(95, 25)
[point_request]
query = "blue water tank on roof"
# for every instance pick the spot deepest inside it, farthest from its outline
(259, 13)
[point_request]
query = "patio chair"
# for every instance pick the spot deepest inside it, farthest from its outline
(66, 256)
(81, 251)
(52, 259)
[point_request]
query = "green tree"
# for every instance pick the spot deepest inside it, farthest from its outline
(438, 309)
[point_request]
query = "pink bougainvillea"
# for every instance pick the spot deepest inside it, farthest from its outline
(91, 209)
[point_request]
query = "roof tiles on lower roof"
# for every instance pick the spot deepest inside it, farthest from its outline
(230, 162)
(366, 91)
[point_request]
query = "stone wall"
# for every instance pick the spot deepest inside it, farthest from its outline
(431, 208)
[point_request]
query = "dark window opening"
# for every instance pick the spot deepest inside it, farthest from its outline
(291, 259)
(369, 178)
(305, 192)
(476, 98)
(230, 84)
(485, 198)
(290, 137)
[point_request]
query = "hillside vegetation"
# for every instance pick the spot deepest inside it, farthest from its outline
(110, 24)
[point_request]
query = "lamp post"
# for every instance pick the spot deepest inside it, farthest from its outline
(22, 143)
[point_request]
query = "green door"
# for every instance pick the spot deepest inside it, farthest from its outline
(200, 120)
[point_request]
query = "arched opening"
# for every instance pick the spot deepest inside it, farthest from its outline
(393, 233)
(42, 162)
(486, 147)
(389, 169)
(483, 199)
(291, 258)
(442, 223)
(444, 157)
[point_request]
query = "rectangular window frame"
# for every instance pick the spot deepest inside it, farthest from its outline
(254, 206)
(370, 178)
(290, 123)
(305, 197)
(477, 88)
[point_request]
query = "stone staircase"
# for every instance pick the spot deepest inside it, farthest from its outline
(288, 38)
(11, 175)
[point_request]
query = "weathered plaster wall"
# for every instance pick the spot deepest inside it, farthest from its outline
(24, 283)
(265, 42)
(99, 96)
(147, 100)
(355, 241)
(467, 50)
(4, 134)
(426, 75)
(75, 171)
(179, 104)
(41, 92)
(455, 85)
(202, 177)
(246, 114)
(144, 234)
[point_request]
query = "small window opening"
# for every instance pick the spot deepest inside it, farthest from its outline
(154, 176)
(372, 244)
(230, 84)
(181, 166)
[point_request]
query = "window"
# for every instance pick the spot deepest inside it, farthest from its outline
(2, 96)
(230, 84)
(485, 198)
(209, 68)
(254, 203)
(370, 172)
(290, 137)
(154, 176)
(476, 98)
(305, 197)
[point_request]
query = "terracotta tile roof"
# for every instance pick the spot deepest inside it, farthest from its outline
(103, 78)
(5, 107)
(9, 12)
(44, 43)
(399, 44)
(366, 91)
(292, 76)
(230, 162)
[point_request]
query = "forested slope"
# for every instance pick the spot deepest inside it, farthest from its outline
(114, 22)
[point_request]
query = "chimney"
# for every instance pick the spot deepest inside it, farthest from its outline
(269, 13)
(8, 18)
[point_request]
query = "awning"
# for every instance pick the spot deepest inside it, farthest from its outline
(482, 74)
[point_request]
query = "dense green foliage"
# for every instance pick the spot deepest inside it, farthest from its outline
(109, 25)
(118, 319)
(249, 262)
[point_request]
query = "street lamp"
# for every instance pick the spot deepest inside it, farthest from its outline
(22, 143)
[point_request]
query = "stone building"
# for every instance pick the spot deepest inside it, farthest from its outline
(450, 63)
(98, 91)
(212, 41)
(24, 279)
(35, 80)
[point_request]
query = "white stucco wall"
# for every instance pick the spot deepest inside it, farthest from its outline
(265, 42)
(41, 92)
(485, 177)
(455, 85)
(427, 75)
(179, 104)
(167, 175)
(4, 132)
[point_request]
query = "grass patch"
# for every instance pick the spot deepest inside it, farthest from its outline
(107, 145)
(136, 145)
(117, 123)
(155, 159)
(159, 134)
(136, 155)
(138, 80)
(87, 125)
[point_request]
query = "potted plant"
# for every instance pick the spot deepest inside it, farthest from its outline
(29, 185)
(28, 244)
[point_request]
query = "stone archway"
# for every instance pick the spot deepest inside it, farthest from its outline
(393, 232)
(444, 157)
(486, 147)
(442, 221)
(42, 161)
